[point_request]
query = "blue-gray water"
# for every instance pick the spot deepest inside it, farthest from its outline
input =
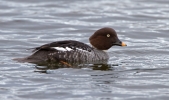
(138, 71)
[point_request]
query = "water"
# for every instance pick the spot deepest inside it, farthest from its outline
(138, 71)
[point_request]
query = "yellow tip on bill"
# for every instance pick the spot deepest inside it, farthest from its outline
(123, 44)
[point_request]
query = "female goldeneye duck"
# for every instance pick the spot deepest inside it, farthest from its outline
(75, 51)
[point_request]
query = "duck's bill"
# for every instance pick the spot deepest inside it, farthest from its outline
(119, 43)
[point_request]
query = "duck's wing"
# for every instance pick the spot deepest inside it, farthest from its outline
(67, 45)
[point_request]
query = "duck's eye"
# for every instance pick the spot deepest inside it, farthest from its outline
(108, 35)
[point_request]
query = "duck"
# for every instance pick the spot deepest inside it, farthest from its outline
(74, 51)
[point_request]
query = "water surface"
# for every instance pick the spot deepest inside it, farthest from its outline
(138, 71)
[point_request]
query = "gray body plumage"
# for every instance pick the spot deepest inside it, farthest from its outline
(72, 56)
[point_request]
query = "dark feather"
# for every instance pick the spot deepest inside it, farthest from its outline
(69, 43)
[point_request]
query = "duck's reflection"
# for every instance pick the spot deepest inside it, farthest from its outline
(103, 66)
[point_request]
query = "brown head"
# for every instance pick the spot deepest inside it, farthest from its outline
(105, 38)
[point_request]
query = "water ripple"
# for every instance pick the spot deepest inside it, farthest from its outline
(138, 71)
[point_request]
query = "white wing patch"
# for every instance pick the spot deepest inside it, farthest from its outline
(79, 49)
(62, 49)
(69, 49)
